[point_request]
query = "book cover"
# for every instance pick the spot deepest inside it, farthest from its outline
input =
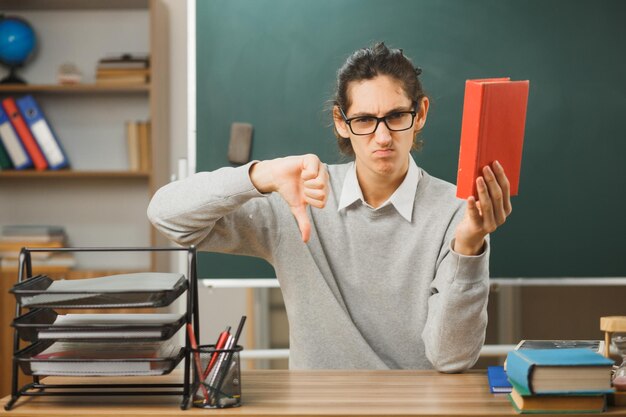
(54, 263)
(498, 382)
(12, 143)
(121, 80)
(5, 160)
(32, 230)
(145, 148)
(42, 132)
(114, 72)
(23, 132)
(18, 245)
(594, 345)
(494, 116)
(559, 371)
(539, 404)
(125, 61)
(33, 239)
(132, 143)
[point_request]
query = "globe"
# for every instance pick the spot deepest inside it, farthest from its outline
(17, 44)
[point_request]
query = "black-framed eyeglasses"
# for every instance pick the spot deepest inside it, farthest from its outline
(366, 125)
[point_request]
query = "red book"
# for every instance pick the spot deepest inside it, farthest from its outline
(24, 134)
(494, 116)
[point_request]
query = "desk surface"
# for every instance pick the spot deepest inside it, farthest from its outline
(302, 393)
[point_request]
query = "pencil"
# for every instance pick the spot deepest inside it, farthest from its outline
(196, 356)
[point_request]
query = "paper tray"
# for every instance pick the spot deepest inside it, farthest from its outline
(34, 292)
(29, 326)
(94, 367)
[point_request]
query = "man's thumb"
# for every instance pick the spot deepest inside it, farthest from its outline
(302, 218)
(310, 167)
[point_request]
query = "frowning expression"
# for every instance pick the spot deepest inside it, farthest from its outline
(383, 152)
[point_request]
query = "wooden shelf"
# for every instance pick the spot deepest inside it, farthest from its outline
(72, 89)
(72, 4)
(70, 174)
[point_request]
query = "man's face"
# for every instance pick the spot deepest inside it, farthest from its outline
(383, 153)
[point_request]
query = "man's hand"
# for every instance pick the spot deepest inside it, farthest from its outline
(485, 215)
(300, 180)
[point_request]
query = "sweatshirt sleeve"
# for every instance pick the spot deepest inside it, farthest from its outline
(218, 211)
(457, 307)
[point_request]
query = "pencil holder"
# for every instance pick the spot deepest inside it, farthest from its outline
(217, 377)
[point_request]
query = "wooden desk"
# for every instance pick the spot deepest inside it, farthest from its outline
(304, 393)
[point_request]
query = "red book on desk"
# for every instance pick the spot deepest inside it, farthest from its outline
(24, 134)
(494, 116)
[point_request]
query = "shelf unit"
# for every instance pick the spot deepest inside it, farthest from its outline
(89, 118)
(37, 387)
(99, 200)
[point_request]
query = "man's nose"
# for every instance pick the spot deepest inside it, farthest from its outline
(382, 135)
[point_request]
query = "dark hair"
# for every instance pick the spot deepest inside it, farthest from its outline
(368, 63)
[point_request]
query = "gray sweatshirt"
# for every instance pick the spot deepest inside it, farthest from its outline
(368, 291)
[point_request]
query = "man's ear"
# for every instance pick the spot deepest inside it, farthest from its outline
(340, 125)
(422, 113)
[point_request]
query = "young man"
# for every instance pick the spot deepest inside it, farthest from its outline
(379, 264)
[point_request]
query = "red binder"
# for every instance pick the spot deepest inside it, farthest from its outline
(24, 133)
(494, 116)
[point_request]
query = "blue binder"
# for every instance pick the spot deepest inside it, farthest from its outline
(42, 132)
(12, 143)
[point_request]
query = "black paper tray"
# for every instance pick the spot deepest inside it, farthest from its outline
(30, 324)
(38, 285)
(94, 367)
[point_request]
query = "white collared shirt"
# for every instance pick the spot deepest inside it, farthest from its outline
(402, 199)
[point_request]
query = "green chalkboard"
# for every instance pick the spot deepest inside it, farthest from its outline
(272, 63)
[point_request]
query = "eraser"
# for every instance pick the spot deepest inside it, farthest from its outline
(240, 144)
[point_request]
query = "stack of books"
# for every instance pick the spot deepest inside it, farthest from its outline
(26, 137)
(558, 380)
(15, 237)
(123, 69)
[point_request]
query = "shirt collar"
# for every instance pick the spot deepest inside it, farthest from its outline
(402, 199)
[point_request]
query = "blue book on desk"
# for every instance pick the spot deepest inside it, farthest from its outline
(498, 382)
(559, 371)
(42, 132)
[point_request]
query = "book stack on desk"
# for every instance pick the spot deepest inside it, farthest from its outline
(14, 237)
(558, 380)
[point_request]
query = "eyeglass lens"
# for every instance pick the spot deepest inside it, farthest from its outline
(395, 122)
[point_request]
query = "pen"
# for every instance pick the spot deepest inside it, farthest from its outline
(196, 356)
(229, 357)
(220, 361)
(221, 341)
